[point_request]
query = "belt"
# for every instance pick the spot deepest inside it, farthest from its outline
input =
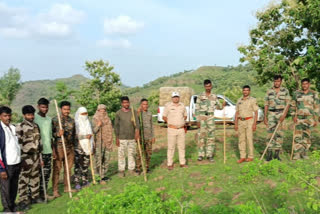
(207, 113)
(276, 110)
(175, 127)
(244, 118)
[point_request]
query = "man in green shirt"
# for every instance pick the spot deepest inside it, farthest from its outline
(127, 134)
(45, 124)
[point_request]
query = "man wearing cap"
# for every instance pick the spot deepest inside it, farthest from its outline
(245, 123)
(174, 115)
(206, 105)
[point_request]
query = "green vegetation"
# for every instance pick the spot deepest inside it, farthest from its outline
(286, 41)
(10, 85)
(103, 87)
(257, 187)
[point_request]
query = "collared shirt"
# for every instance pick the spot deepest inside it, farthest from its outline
(13, 150)
(69, 128)
(305, 104)
(207, 104)
(246, 107)
(45, 125)
(277, 100)
(175, 114)
(28, 134)
(147, 125)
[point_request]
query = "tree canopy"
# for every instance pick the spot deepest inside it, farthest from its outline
(9, 85)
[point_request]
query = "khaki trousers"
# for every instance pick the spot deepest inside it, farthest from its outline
(245, 138)
(176, 137)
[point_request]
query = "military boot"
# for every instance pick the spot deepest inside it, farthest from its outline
(305, 155)
(277, 155)
(269, 155)
(296, 156)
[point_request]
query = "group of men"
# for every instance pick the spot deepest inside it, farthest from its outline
(37, 140)
(303, 107)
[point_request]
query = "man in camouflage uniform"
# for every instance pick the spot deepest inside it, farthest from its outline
(28, 134)
(245, 123)
(206, 104)
(68, 131)
(276, 108)
(147, 135)
(305, 112)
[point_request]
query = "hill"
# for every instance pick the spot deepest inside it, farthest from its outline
(31, 91)
(226, 80)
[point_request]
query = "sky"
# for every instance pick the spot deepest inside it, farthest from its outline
(142, 39)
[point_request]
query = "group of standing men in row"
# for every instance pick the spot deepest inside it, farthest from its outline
(26, 151)
(38, 139)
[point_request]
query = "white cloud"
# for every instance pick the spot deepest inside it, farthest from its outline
(122, 25)
(114, 43)
(58, 22)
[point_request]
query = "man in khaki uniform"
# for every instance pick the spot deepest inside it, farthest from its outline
(175, 115)
(245, 123)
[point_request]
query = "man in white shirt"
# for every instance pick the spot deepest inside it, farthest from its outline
(10, 158)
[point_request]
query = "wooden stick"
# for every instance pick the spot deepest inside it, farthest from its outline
(224, 134)
(44, 186)
(274, 133)
(139, 148)
(91, 163)
(64, 150)
(101, 143)
(294, 130)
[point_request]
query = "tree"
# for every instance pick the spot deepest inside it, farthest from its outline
(63, 92)
(9, 85)
(102, 88)
(286, 41)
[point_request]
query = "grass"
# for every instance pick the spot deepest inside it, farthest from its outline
(204, 183)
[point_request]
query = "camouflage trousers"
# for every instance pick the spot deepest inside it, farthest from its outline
(29, 179)
(46, 158)
(81, 166)
(273, 120)
(206, 138)
(146, 152)
(129, 147)
(302, 134)
(102, 159)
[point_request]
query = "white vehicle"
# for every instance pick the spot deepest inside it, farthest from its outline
(229, 109)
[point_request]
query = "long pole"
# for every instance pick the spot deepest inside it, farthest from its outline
(294, 130)
(101, 143)
(44, 186)
(139, 148)
(91, 163)
(224, 135)
(64, 150)
(274, 133)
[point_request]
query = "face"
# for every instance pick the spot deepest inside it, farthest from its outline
(305, 85)
(102, 110)
(29, 117)
(125, 104)
(144, 105)
(277, 83)
(175, 99)
(84, 114)
(43, 108)
(5, 118)
(208, 87)
(65, 111)
(246, 92)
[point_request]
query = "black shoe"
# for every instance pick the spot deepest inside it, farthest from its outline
(277, 155)
(148, 170)
(105, 179)
(269, 155)
(210, 159)
(200, 158)
(37, 201)
(23, 206)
